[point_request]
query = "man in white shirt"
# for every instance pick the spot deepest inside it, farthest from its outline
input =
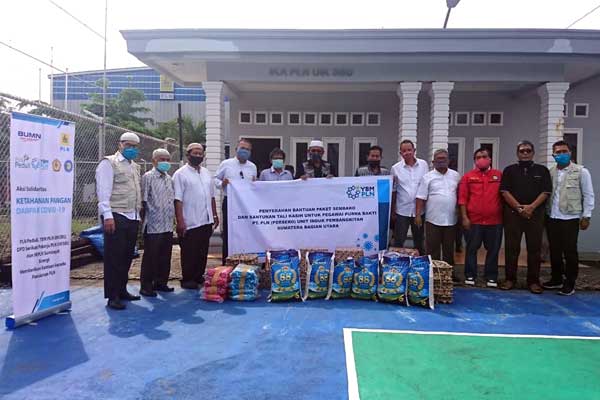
(407, 174)
(437, 194)
(569, 209)
(238, 167)
(119, 204)
(196, 215)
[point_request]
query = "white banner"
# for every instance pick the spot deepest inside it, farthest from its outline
(316, 213)
(41, 191)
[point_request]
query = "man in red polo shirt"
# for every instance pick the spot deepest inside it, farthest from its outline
(481, 209)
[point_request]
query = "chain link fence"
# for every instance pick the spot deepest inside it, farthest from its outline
(91, 144)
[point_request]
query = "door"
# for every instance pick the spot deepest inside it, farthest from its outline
(492, 144)
(261, 148)
(575, 139)
(456, 153)
(360, 150)
(299, 152)
(335, 153)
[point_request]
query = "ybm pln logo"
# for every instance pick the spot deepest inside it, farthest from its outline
(65, 142)
(29, 136)
(360, 192)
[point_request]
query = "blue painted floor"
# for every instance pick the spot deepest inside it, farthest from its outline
(180, 347)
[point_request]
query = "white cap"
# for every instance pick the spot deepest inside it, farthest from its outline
(160, 152)
(192, 146)
(130, 137)
(316, 143)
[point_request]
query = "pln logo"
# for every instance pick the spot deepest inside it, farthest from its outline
(360, 192)
(26, 136)
(65, 142)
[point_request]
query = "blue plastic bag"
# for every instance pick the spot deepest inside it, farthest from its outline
(319, 273)
(394, 271)
(285, 275)
(420, 282)
(366, 276)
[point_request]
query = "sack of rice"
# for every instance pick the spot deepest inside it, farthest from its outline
(285, 275)
(392, 284)
(341, 282)
(319, 274)
(420, 282)
(244, 283)
(366, 276)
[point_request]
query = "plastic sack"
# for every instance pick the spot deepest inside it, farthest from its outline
(420, 282)
(319, 274)
(285, 275)
(244, 283)
(216, 282)
(95, 235)
(341, 281)
(392, 284)
(365, 278)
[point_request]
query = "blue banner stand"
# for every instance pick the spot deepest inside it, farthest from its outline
(12, 322)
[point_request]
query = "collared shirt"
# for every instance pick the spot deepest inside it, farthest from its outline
(406, 182)
(195, 189)
(233, 169)
(104, 186)
(270, 174)
(439, 190)
(526, 183)
(158, 195)
(479, 192)
(365, 170)
(587, 192)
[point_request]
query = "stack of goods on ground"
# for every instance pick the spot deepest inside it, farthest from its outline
(285, 275)
(264, 279)
(216, 284)
(442, 282)
(244, 283)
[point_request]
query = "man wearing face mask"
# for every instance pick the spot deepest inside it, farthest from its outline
(373, 166)
(158, 214)
(196, 215)
(525, 187)
(481, 209)
(316, 167)
(437, 194)
(236, 168)
(119, 204)
(277, 172)
(569, 209)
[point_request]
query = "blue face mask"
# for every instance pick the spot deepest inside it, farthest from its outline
(277, 164)
(163, 166)
(562, 159)
(243, 154)
(130, 153)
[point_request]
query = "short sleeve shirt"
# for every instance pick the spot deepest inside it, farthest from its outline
(440, 192)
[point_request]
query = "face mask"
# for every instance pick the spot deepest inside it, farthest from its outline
(315, 156)
(277, 164)
(163, 166)
(562, 159)
(440, 164)
(374, 163)
(195, 160)
(483, 163)
(130, 153)
(526, 164)
(243, 154)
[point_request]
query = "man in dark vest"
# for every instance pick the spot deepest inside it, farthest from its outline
(315, 166)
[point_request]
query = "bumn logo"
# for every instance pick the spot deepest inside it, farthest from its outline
(29, 136)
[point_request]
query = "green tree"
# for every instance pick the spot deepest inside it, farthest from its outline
(191, 132)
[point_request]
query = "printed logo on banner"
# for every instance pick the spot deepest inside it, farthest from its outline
(65, 142)
(29, 136)
(35, 163)
(68, 166)
(23, 162)
(56, 164)
(364, 192)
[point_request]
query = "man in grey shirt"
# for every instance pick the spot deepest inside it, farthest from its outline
(373, 166)
(277, 172)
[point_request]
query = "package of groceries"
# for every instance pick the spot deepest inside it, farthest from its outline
(365, 278)
(285, 275)
(392, 282)
(319, 273)
(341, 282)
(244, 283)
(420, 282)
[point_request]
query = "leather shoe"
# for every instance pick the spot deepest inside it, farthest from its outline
(189, 285)
(535, 288)
(163, 288)
(148, 293)
(129, 297)
(115, 304)
(507, 285)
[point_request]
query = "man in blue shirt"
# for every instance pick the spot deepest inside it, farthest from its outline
(277, 172)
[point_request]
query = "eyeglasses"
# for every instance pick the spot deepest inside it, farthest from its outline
(241, 175)
(525, 151)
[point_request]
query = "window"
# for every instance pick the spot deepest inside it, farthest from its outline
(325, 118)
(566, 110)
(299, 151)
(276, 118)
(461, 119)
(335, 153)
(294, 118)
(360, 150)
(357, 119)
(310, 118)
(341, 119)
(580, 110)
(245, 117)
(456, 153)
(260, 117)
(478, 118)
(574, 136)
(496, 118)
(492, 144)
(373, 119)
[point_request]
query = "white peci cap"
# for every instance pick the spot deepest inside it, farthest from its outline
(316, 143)
(192, 146)
(130, 137)
(160, 152)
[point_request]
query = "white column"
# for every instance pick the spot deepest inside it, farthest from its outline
(440, 109)
(552, 95)
(408, 93)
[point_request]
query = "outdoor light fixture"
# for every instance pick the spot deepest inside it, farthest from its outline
(451, 4)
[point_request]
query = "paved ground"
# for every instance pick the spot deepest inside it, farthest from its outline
(178, 346)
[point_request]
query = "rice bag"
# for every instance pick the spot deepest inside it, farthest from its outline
(392, 284)
(285, 275)
(319, 273)
(365, 278)
(244, 283)
(216, 282)
(341, 280)
(420, 282)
